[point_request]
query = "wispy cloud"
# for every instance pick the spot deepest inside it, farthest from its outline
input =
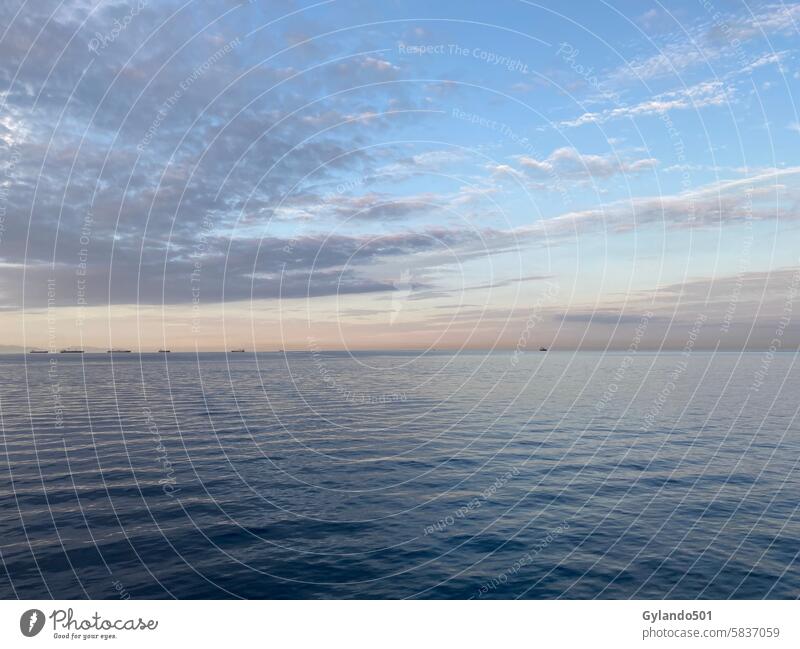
(718, 43)
(701, 95)
(771, 194)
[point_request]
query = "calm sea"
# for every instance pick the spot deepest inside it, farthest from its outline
(393, 475)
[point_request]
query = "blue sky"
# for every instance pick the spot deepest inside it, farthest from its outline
(398, 174)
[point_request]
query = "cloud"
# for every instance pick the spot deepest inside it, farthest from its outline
(216, 268)
(600, 317)
(129, 160)
(436, 293)
(770, 194)
(774, 58)
(723, 43)
(736, 312)
(651, 18)
(769, 19)
(155, 188)
(701, 95)
(381, 207)
(569, 163)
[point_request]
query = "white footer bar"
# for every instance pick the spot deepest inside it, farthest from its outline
(376, 624)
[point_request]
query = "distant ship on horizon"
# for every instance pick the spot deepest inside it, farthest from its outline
(38, 351)
(163, 351)
(118, 351)
(71, 351)
(237, 351)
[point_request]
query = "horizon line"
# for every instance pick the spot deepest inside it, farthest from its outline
(74, 349)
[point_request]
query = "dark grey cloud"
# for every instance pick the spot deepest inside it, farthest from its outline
(376, 207)
(610, 318)
(215, 268)
(142, 133)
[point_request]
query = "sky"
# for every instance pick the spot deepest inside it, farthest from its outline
(399, 175)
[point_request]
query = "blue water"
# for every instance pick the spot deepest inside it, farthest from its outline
(393, 475)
